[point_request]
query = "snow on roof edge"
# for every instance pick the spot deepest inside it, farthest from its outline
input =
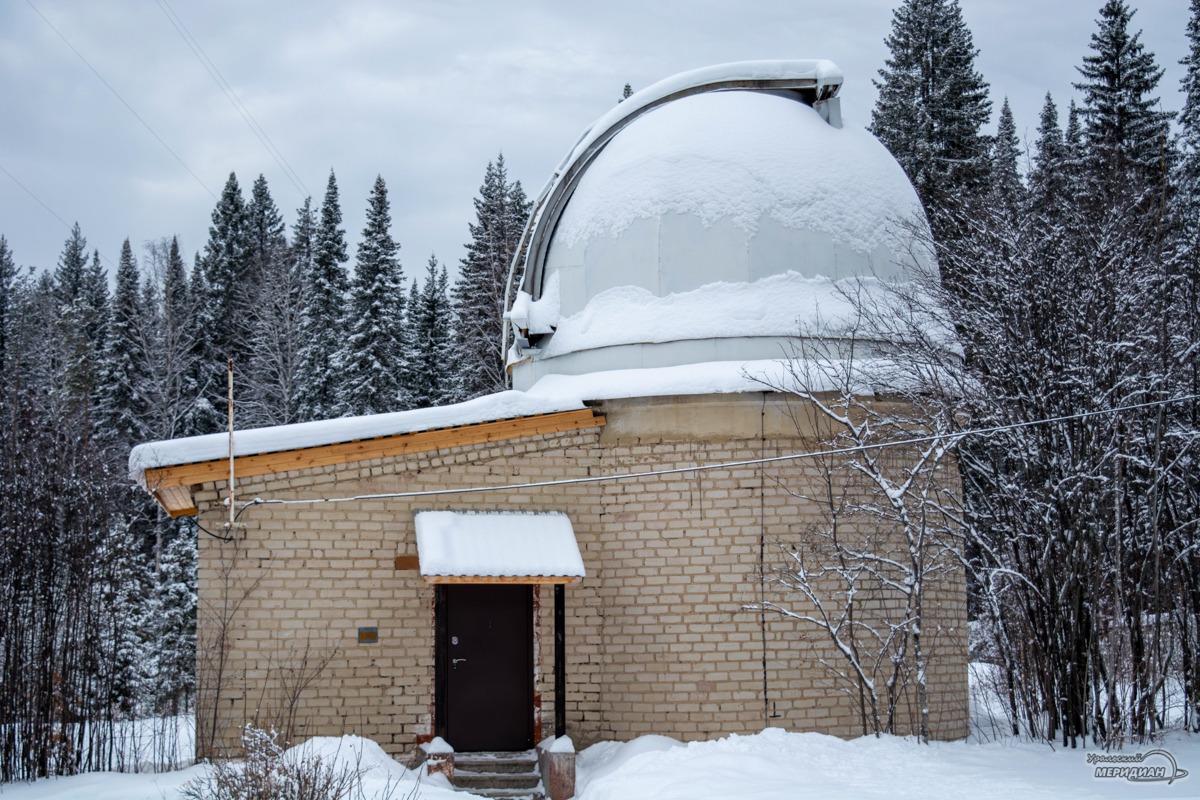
(279, 438)
(552, 394)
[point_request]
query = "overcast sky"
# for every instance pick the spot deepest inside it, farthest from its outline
(422, 93)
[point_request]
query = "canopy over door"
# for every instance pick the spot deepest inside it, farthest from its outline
(497, 547)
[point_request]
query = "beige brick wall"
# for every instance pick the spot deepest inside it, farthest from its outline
(658, 636)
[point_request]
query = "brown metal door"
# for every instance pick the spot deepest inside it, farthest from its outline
(486, 666)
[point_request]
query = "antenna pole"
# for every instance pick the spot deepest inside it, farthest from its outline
(229, 375)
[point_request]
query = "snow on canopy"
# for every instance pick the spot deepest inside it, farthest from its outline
(823, 72)
(497, 544)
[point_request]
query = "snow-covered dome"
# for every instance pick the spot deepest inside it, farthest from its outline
(707, 218)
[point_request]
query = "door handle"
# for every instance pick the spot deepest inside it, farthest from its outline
(454, 662)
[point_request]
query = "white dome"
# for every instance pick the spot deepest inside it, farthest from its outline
(709, 227)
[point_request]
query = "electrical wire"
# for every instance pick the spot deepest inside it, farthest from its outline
(52, 212)
(948, 438)
(29, 192)
(218, 537)
(232, 96)
(125, 103)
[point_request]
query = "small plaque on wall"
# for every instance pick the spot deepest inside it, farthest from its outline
(407, 562)
(368, 635)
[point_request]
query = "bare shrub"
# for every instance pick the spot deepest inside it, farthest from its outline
(270, 772)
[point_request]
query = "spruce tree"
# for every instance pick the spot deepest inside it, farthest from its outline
(478, 294)
(266, 236)
(431, 379)
(122, 415)
(371, 362)
(8, 284)
(933, 104)
(1047, 179)
(1004, 179)
(1125, 130)
(270, 381)
(169, 618)
(34, 355)
(72, 263)
(81, 295)
(1189, 117)
(230, 293)
(324, 292)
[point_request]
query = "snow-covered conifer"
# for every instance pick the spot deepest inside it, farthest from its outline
(69, 273)
(81, 292)
(1004, 178)
(8, 278)
(1126, 130)
(478, 294)
(370, 364)
(122, 418)
(1047, 178)
(431, 376)
(932, 103)
(324, 293)
(270, 382)
(229, 293)
(170, 621)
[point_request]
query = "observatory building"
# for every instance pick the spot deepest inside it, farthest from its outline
(603, 551)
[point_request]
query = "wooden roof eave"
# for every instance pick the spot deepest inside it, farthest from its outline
(172, 485)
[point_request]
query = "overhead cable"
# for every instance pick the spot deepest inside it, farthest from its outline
(52, 212)
(125, 103)
(947, 438)
(232, 96)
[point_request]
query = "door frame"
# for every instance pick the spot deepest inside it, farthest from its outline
(441, 661)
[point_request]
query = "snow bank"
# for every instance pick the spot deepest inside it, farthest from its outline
(771, 765)
(777, 765)
(382, 776)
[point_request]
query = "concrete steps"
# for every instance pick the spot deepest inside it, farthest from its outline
(507, 776)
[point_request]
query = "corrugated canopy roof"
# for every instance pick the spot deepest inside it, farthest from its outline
(497, 547)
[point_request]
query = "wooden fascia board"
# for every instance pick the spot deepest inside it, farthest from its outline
(171, 485)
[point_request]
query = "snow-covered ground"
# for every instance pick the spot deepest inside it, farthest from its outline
(777, 765)
(771, 765)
